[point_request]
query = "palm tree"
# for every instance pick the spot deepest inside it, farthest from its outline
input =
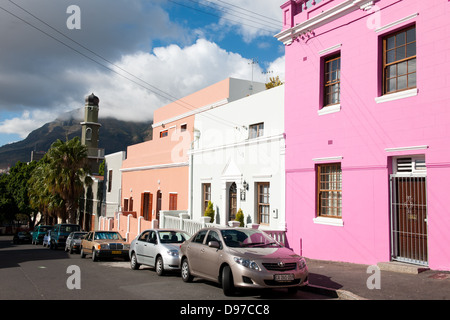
(68, 173)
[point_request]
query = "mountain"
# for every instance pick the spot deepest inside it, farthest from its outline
(115, 135)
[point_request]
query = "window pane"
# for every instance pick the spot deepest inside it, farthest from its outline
(400, 53)
(412, 65)
(401, 38)
(391, 71)
(390, 43)
(391, 85)
(411, 35)
(390, 56)
(412, 80)
(411, 49)
(403, 68)
(401, 83)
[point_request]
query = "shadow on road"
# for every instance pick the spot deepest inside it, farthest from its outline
(11, 255)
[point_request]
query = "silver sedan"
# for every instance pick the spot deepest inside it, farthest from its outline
(158, 248)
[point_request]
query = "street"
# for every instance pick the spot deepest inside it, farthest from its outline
(33, 272)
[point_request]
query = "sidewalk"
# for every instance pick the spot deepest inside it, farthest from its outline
(348, 281)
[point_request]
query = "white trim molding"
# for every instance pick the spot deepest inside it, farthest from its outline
(158, 166)
(289, 35)
(396, 149)
(330, 49)
(337, 222)
(328, 159)
(192, 112)
(396, 23)
(329, 109)
(397, 95)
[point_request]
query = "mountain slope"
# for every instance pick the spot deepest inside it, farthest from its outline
(115, 135)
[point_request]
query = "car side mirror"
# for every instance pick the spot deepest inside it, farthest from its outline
(214, 244)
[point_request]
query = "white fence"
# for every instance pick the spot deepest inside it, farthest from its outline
(181, 220)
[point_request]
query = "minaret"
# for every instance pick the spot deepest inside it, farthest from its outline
(90, 132)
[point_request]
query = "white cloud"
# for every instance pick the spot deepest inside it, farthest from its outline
(27, 122)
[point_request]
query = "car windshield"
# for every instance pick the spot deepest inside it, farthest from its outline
(172, 236)
(44, 229)
(70, 228)
(107, 236)
(239, 238)
(78, 235)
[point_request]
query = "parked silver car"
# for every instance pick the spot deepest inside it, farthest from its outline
(73, 242)
(240, 257)
(158, 248)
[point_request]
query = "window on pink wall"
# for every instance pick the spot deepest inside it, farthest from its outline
(332, 80)
(329, 190)
(399, 60)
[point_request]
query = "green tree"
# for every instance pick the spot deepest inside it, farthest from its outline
(18, 188)
(209, 212)
(8, 207)
(274, 82)
(68, 173)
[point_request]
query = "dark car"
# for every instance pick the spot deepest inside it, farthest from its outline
(22, 237)
(60, 232)
(39, 233)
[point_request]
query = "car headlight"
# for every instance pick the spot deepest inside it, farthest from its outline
(247, 263)
(102, 246)
(301, 263)
(126, 246)
(173, 253)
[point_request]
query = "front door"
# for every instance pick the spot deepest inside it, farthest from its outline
(409, 219)
(232, 202)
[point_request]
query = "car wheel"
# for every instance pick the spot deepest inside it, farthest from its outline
(227, 281)
(71, 250)
(159, 266)
(94, 255)
(133, 262)
(185, 272)
(82, 254)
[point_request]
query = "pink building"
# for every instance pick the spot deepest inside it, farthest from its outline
(367, 123)
(155, 175)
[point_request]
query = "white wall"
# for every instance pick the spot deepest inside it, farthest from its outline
(224, 154)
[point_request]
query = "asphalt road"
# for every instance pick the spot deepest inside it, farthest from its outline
(32, 272)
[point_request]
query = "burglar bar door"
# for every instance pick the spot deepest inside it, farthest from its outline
(409, 219)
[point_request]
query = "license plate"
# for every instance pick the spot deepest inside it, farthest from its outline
(284, 277)
(116, 252)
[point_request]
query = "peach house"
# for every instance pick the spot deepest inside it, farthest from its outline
(155, 175)
(367, 123)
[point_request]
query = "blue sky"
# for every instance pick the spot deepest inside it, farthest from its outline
(135, 55)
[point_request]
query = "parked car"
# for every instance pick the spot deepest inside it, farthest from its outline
(73, 242)
(59, 234)
(39, 233)
(46, 239)
(22, 237)
(241, 258)
(104, 244)
(157, 248)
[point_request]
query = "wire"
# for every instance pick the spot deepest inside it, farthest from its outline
(228, 11)
(218, 16)
(161, 93)
(252, 12)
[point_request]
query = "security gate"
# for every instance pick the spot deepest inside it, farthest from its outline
(409, 218)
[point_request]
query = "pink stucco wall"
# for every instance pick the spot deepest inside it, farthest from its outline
(161, 164)
(362, 130)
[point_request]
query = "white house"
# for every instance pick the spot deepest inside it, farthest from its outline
(237, 161)
(112, 183)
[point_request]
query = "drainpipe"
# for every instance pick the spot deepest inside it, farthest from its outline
(191, 172)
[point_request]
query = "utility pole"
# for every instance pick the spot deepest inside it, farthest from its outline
(253, 62)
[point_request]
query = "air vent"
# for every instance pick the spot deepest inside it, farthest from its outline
(404, 165)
